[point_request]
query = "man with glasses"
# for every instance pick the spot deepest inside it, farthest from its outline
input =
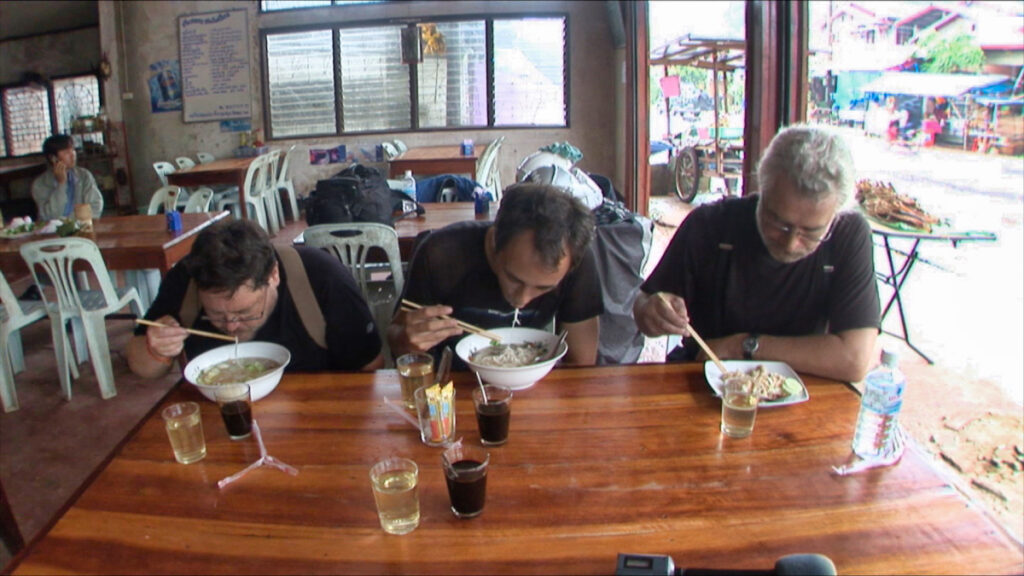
(782, 275)
(234, 282)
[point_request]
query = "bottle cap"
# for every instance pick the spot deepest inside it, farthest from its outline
(890, 356)
(408, 173)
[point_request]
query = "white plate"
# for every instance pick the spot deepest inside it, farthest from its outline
(714, 376)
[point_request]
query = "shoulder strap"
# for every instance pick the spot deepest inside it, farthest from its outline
(302, 294)
(298, 285)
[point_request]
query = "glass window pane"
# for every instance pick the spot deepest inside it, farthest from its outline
(275, 5)
(3, 141)
(453, 75)
(301, 79)
(27, 113)
(76, 98)
(375, 87)
(529, 72)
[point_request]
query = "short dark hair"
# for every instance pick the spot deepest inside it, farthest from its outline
(556, 219)
(55, 144)
(231, 254)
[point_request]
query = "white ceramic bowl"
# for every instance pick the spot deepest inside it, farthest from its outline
(514, 378)
(258, 387)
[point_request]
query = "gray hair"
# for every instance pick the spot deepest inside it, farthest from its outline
(814, 160)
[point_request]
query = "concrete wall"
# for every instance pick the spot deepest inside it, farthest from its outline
(51, 55)
(151, 35)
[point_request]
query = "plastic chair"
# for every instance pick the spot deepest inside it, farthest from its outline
(162, 170)
(57, 258)
(184, 162)
(284, 182)
(400, 146)
(164, 199)
(253, 194)
(271, 196)
(14, 315)
(204, 157)
(199, 201)
(487, 168)
(352, 243)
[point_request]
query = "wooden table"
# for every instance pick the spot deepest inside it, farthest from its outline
(225, 171)
(126, 242)
(17, 169)
(434, 160)
(599, 461)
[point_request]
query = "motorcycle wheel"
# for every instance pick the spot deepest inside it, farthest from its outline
(686, 174)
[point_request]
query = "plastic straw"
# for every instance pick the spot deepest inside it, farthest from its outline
(264, 460)
(482, 391)
(401, 412)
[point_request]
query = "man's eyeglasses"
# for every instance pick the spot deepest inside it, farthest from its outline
(781, 227)
(245, 319)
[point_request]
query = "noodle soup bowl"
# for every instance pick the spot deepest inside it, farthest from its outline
(259, 386)
(518, 377)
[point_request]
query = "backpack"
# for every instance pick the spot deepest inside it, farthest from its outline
(356, 194)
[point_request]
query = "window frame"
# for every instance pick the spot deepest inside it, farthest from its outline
(51, 105)
(488, 20)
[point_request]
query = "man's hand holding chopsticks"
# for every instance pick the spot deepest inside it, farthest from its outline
(168, 340)
(421, 329)
(661, 313)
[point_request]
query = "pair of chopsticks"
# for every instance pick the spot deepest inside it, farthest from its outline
(409, 305)
(189, 330)
(700, 341)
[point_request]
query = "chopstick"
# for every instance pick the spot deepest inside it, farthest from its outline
(700, 341)
(409, 305)
(189, 330)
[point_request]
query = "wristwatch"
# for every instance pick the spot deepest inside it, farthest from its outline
(750, 344)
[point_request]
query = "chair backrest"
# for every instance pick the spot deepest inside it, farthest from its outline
(271, 158)
(184, 162)
(204, 157)
(162, 170)
(284, 174)
(57, 257)
(253, 184)
(199, 201)
(163, 200)
(400, 146)
(487, 167)
(11, 312)
(351, 243)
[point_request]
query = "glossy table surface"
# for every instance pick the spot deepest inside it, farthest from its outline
(599, 461)
(432, 160)
(126, 242)
(229, 171)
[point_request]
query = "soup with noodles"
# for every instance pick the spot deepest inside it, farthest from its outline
(235, 371)
(510, 355)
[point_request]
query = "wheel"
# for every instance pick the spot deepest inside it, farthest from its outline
(687, 174)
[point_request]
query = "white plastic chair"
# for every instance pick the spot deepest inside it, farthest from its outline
(164, 199)
(284, 182)
(400, 146)
(352, 243)
(271, 196)
(184, 162)
(487, 168)
(14, 315)
(253, 194)
(199, 201)
(204, 157)
(162, 170)
(57, 258)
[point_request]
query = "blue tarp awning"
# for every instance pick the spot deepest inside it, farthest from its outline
(946, 85)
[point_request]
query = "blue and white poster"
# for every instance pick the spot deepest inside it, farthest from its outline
(165, 86)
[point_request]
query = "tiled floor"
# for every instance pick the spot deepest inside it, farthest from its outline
(49, 447)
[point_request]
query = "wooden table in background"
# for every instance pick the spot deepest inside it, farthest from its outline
(599, 461)
(433, 160)
(17, 169)
(225, 171)
(126, 242)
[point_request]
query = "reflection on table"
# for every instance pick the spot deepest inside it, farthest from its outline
(599, 461)
(433, 160)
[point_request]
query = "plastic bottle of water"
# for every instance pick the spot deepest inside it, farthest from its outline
(879, 407)
(409, 186)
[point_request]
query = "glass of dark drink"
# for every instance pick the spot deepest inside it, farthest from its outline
(493, 409)
(235, 401)
(465, 471)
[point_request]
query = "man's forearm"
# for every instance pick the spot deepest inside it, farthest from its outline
(143, 362)
(845, 356)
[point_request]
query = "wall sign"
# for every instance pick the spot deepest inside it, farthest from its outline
(214, 49)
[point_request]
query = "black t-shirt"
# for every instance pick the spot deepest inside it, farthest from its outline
(352, 339)
(450, 267)
(830, 291)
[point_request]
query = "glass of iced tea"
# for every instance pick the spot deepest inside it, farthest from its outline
(414, 371)
(739, 407)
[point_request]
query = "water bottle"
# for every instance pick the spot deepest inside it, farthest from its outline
(409, 185)
(879, 407)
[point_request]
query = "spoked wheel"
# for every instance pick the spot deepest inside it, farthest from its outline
(686, 174)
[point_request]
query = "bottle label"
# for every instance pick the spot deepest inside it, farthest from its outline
(883, 399)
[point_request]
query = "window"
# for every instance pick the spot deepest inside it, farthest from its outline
(359, 79)
(27, 121)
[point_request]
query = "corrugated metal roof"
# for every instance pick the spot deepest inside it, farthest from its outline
(930, 84)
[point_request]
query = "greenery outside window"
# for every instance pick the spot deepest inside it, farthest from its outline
(462, 73)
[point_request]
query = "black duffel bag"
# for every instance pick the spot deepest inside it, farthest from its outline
(356, 194)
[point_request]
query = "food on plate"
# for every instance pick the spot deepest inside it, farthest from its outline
(881, 201)
(510, 355)
(766, 385)
(235, 371)
(19, 226)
